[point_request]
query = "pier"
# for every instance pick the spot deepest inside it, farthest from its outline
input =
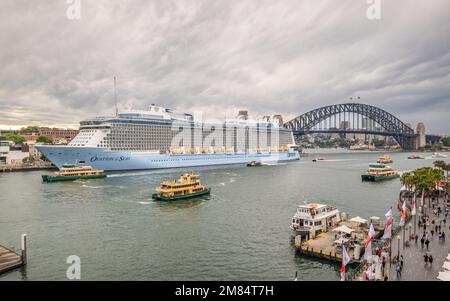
(18, 168)
(327, 245)
(10, 260)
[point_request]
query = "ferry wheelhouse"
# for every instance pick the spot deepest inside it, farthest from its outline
(187, 186)
(379, 172)
(314, 218)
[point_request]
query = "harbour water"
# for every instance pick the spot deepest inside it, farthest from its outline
(239, 232)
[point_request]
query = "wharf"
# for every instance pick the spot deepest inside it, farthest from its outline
(9, 260)
(19, 168)
(323, 245)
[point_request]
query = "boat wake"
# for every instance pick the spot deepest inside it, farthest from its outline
(94, 187)
(132, 174)
(145, 203)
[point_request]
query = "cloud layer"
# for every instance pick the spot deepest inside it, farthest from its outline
(285, 57)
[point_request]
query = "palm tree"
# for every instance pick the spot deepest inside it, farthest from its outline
(439, 164)
(446, 168)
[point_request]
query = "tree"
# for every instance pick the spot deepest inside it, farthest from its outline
(17, 139)
(29, 160)
(439, 164)
(44, 139)
(446, 141)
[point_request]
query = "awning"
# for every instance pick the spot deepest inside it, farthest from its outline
(343, 229)
(341, 241)
(358, 219)
(444, 276)
(446, 265)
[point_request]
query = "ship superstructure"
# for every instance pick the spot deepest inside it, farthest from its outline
(161, 138)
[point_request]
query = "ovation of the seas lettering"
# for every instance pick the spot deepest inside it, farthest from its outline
(121, 158)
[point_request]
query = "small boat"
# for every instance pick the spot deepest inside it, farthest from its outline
(438, 155)
(187, 186)
(74, 172)
(380, 172)
(319, 159)
(314, 218)
(255, 163)
(415, 157)
(385, 159)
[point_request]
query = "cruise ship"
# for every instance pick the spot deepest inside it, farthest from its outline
(160, 138)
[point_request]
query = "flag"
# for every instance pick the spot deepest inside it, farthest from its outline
(403, 218)
(345, 260)
(388, 228)
(413, 210)
(368, 251)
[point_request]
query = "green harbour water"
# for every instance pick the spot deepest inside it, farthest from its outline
(239, 232)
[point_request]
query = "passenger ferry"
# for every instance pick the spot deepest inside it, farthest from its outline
(255, 164)
(319, 159)
(315, 218)
(187, 186)
(379, 172)
(385, 159)
(73, 172)
(161, 138)
(438, 155)
(415, 157)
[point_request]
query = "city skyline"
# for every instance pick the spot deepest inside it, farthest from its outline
(287, 58)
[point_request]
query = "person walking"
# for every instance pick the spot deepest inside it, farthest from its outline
(427, 242)
(416, 238)
(436, 228)
(430, 260)
(398, 270)
(422, 241)
(443, 236)
(401, 262)
(432, 233)
(425, 259)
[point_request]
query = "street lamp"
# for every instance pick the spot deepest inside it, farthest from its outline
(398, 247)
(410, 227)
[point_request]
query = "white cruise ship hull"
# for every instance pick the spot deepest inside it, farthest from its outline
(108, 160)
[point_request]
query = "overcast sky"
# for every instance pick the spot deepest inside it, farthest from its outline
(287, 57)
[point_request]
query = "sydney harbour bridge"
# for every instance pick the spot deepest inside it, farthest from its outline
(357, 118)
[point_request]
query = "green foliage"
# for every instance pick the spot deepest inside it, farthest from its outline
(44, 139)
(34, 129)
(446, 141)
(14, 138)
(29, 160)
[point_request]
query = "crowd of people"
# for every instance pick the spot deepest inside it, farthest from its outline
(432, 225)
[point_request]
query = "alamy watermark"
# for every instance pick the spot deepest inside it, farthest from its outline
(374, 10)
(231, 136)
(74, 270)
(73, 11)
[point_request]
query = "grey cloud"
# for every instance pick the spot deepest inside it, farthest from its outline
(285, 57)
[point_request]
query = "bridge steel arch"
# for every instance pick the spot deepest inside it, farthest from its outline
(392, 126)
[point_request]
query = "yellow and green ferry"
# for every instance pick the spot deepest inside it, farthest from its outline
(385, 159)
(187, 186)
(74, 172)
(379, 172)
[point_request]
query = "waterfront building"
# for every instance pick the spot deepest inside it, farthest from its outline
(4, 149)
(59, 136)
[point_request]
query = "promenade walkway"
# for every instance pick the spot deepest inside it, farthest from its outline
(414, 268)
